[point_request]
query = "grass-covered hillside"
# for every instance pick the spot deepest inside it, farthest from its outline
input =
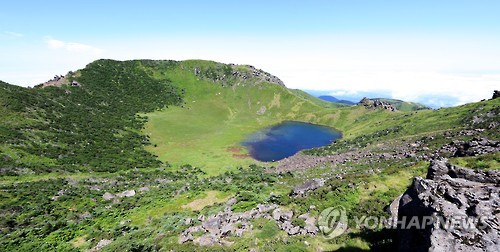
(145, 156)
(404, 105)
(219, 111)
(94, 126)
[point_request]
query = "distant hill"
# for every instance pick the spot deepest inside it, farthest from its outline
(330, 98)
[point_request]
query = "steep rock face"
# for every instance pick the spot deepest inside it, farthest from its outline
(376, 104)
(453, 209)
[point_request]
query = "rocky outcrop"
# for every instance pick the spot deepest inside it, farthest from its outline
(496, 94)
(57, 81)
(476, 146)
(257, 73)
(453, 209)
(222, 73)
(376, 104)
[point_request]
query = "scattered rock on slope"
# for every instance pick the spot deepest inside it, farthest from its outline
(477, 146)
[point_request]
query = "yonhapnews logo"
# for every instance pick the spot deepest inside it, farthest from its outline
(332, 222)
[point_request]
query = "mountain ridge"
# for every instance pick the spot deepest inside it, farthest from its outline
(145, 155)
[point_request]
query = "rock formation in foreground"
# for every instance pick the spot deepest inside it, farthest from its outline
(453, 209)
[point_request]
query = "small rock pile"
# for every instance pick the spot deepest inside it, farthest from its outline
(226, 223)
(477, 146)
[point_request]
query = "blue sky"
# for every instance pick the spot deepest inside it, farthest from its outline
(440, 53)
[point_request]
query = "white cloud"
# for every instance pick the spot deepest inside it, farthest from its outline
(71, 46)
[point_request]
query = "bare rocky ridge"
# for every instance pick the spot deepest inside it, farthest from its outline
(257, 73)
(58, 81)
(376, 104)
(242, 72)
(469, 200)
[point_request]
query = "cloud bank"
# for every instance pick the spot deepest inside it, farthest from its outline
(55, 44)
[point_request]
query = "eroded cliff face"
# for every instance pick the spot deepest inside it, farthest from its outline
(452, 209)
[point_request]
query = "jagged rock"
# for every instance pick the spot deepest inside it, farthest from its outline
(441, 167)
(309, 185)
(463, 205)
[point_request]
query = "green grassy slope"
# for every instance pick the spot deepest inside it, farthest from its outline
(94, 127)
(215, 118)
(404, 105)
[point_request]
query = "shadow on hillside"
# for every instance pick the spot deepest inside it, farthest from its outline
(380, 240)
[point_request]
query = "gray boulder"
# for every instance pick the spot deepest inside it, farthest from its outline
(127, 193)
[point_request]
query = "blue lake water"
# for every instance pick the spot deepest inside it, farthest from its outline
(287, 138)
